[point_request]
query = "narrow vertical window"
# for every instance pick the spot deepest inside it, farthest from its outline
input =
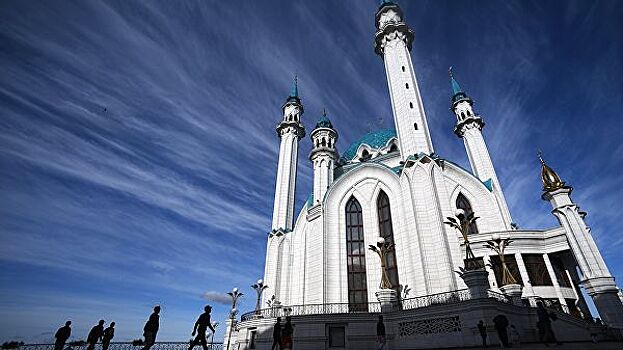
(407, 85)
(411, 105)
(463, 203)
(403, 68)
(415, 126)
(356, 258)
(387, 232)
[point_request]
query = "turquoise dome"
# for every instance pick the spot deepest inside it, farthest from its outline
(324, 122)
(374, 139)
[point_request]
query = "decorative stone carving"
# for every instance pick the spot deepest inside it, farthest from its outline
(431, 326)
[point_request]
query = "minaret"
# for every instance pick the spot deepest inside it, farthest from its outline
(393, 41)
(597, 280)
(469, 127)
(323, 156)
(290, 130)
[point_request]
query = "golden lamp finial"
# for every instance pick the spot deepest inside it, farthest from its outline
(551, 180)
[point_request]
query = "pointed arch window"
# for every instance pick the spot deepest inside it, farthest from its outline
(386, 231)
(463, 203)
(355, 257)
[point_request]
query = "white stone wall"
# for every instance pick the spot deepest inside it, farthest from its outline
(428, 252)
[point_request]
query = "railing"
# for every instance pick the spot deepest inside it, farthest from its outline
(345, 308)
(435, 299)
(123, 346)
(312, 309)
(498, 296)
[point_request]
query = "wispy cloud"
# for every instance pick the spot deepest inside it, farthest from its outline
(138, 150)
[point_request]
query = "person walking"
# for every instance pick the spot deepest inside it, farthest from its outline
(201, 327)
(380, 332)
(277, 335)
(151, 328)
(95, 335)
(500, 322)
(544, 324)
(62, 334)
(288, 330)
(482, 329)
(109, 333)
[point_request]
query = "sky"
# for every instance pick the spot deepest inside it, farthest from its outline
(138, 150)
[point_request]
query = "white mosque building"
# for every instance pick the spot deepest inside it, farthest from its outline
(391, 184)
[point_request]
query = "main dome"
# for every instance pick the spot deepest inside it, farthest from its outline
(374, 139)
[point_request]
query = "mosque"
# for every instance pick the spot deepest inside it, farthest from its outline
(390, 184)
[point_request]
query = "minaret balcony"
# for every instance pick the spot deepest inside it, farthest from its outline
(293, 126)
(470, 122)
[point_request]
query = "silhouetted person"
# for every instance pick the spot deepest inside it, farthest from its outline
(515, 340)
(95, 334)
(277, 335)
(151, 328)
(482, 329)
(62, 334)
(545, 324)
(380, 332)
(286, 334)
(500, 322)
(109, 333)
(201, 327)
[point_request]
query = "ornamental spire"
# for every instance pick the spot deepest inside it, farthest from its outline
(551, 180)
(457, 92)
(294, 92)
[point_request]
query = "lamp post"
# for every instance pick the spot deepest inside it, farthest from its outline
(498, 245)
(259, 289)
(462, 222)
(235, 295)
(383, 248)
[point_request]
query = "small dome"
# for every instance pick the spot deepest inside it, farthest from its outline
(551, 180)
(324, 122)
(374, 139)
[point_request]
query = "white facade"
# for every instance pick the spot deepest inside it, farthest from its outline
(309, 262)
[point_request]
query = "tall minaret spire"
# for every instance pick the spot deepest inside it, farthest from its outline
(469, 127)
(393, 41)
(290, 130)
(597, 280)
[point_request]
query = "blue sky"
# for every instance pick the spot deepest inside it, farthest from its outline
(138, 151)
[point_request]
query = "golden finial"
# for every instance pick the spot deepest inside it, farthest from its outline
(450, 72)
(551, 180)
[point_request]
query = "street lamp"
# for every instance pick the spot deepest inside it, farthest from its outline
(462, 223)
(235, 295)
(259, 289)
(214, 325)
(383, 248)
(498, 245)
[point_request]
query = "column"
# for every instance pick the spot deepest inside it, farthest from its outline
(552, 275)
(527, 286)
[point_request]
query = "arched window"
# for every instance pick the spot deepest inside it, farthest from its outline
(415, 126)
(463, 203)
(411, 105)
(356, 257)
(324, 142)
(462, 115)
(386, 231)
(393, 148)
(403, 68)
(407, 85)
